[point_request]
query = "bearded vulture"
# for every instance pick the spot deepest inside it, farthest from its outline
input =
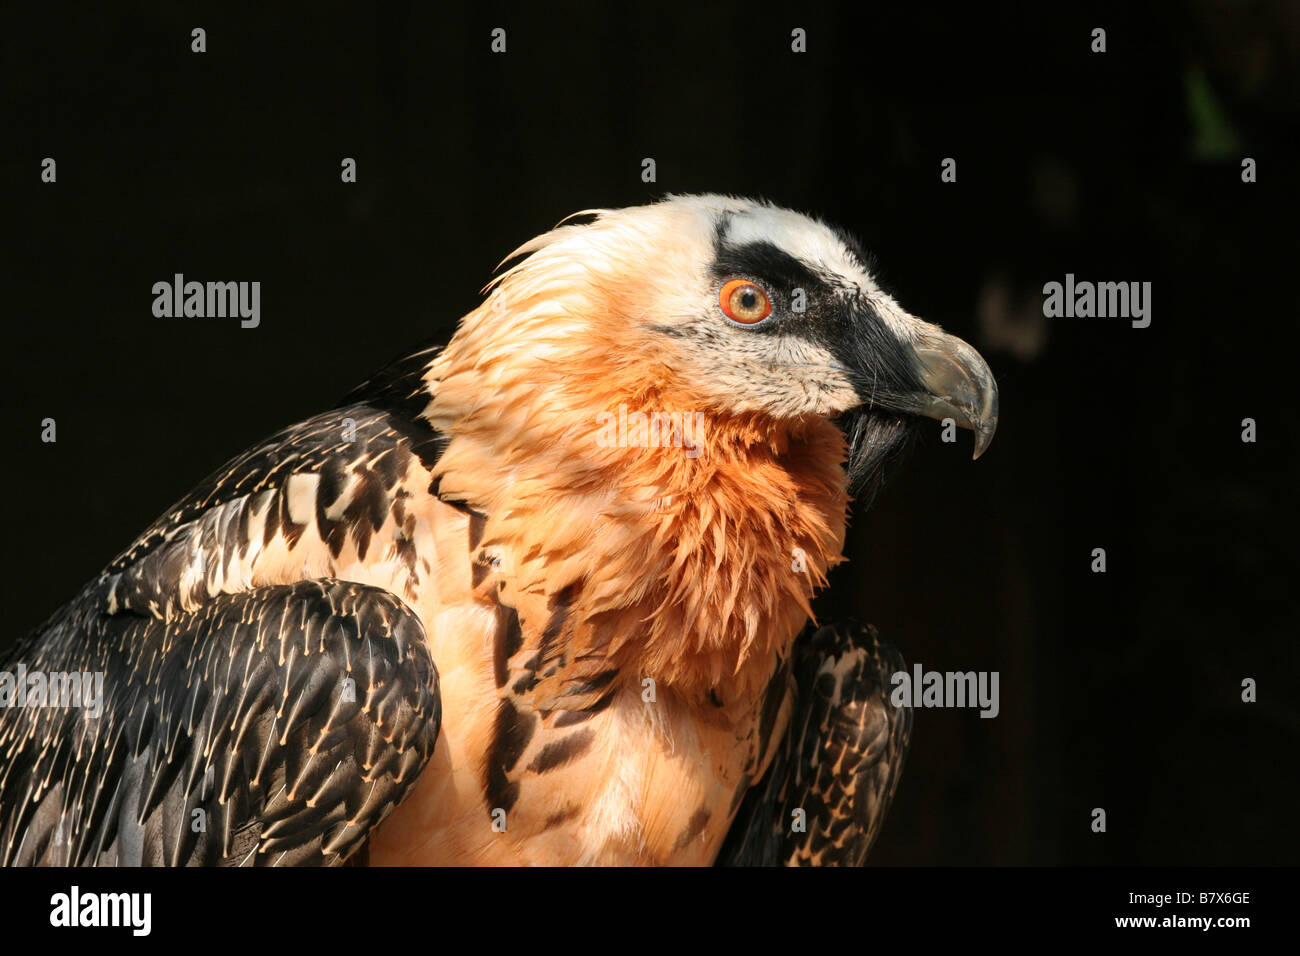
(540, 596)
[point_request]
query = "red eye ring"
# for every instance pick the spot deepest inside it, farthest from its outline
(744, 301)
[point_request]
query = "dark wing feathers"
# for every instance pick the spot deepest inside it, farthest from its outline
(324, 445)
(240, 710)
(839, 763)
(229, 700)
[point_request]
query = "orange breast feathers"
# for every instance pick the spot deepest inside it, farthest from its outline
(635, 608)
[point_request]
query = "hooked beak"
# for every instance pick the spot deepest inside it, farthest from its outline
(932, 374)
(954, 382)
(958, 385)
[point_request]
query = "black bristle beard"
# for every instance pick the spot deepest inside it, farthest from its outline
(877, 442)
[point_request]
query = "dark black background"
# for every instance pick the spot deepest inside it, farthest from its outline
(1118, 690)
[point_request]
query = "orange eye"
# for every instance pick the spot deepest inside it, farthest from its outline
(744, 302)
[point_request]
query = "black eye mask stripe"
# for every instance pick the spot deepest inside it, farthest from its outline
(836, 317)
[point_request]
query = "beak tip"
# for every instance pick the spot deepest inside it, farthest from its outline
(984, 430)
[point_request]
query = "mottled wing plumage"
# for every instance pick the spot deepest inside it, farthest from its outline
(360, 451)
(839, 763)
(242, 675)
(293, 718)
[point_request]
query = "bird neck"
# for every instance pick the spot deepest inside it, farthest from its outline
(689, 541)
